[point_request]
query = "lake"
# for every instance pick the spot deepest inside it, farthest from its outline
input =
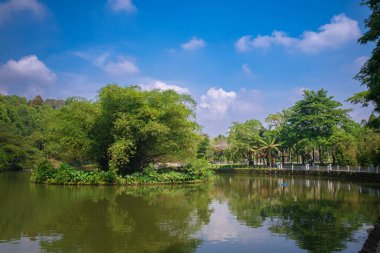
(233, 213)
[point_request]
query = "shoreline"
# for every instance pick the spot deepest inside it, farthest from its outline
(355, 176)
(371, 245)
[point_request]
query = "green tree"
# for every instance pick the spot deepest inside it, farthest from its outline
(343, 148)
(136, 127)
(67, 132)
(204, 148)
(20, 133)
(315, 117)
(243, 139)
(269, 145)
(369, 74)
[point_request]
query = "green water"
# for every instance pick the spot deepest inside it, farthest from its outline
(231, 214)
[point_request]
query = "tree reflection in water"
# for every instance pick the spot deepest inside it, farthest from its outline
(318, 215)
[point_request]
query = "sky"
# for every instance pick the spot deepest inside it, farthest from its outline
(239, 59)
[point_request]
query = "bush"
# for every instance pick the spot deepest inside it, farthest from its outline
(43, 172)
(198, 168)
(66, 174)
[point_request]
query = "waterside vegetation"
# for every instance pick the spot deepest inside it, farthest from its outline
(133, 136)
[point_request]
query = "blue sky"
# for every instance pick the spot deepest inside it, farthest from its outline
(239, 59)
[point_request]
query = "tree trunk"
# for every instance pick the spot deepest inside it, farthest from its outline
(282, 158)
(269, 158)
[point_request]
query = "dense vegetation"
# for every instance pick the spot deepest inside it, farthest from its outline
(193, 171)
(315, 130)
(369, 74)
(128, 131)
(122, 138)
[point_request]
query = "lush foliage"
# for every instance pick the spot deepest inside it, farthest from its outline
(369, 74)
(65, 174)
(315, 130)
(126, 129)
(20, 133)
(135, 128)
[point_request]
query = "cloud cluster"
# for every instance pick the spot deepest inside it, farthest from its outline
(121, 66)
(216, 103)
(339, 31)
(27, 76)
(122, 5)
(193, 44)
(156, 84)
(10, 8)
(218, 108)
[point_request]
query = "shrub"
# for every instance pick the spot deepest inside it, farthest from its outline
(198, 168)
(66, 174)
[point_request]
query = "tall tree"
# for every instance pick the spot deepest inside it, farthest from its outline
(315, 117)
(68, 132)
(203, 151)
(270, 146)
(243, 139)
(137, 127)
(369, 74)
(20, 133)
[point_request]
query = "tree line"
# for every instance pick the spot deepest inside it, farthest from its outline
(315, 130)
(126, 128)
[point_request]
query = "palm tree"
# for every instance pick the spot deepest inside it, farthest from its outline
(270, 146)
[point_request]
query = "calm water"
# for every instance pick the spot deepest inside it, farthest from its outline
(231, 214)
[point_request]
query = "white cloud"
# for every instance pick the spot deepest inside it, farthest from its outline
(194, 44)
(339, 31)
(12, 7)
(216, 102)
(27, 76)
(247, 70)
(122, 66)
(156, 84)
(122, 5)
(218, 108)
(244, 43)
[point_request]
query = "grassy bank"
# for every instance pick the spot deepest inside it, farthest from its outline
(195, 171)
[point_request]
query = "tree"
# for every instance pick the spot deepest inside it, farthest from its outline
(68, 132)
(37, 101)
(270, 147)
(136, 127)
(315, 117)
(243, 139)
(20, 133)
(204, 147)
(343, 148)
(219, 147)
(369, 74)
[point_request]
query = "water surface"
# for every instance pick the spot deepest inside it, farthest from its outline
(234, 213)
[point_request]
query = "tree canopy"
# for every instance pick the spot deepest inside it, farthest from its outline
(369, 74)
